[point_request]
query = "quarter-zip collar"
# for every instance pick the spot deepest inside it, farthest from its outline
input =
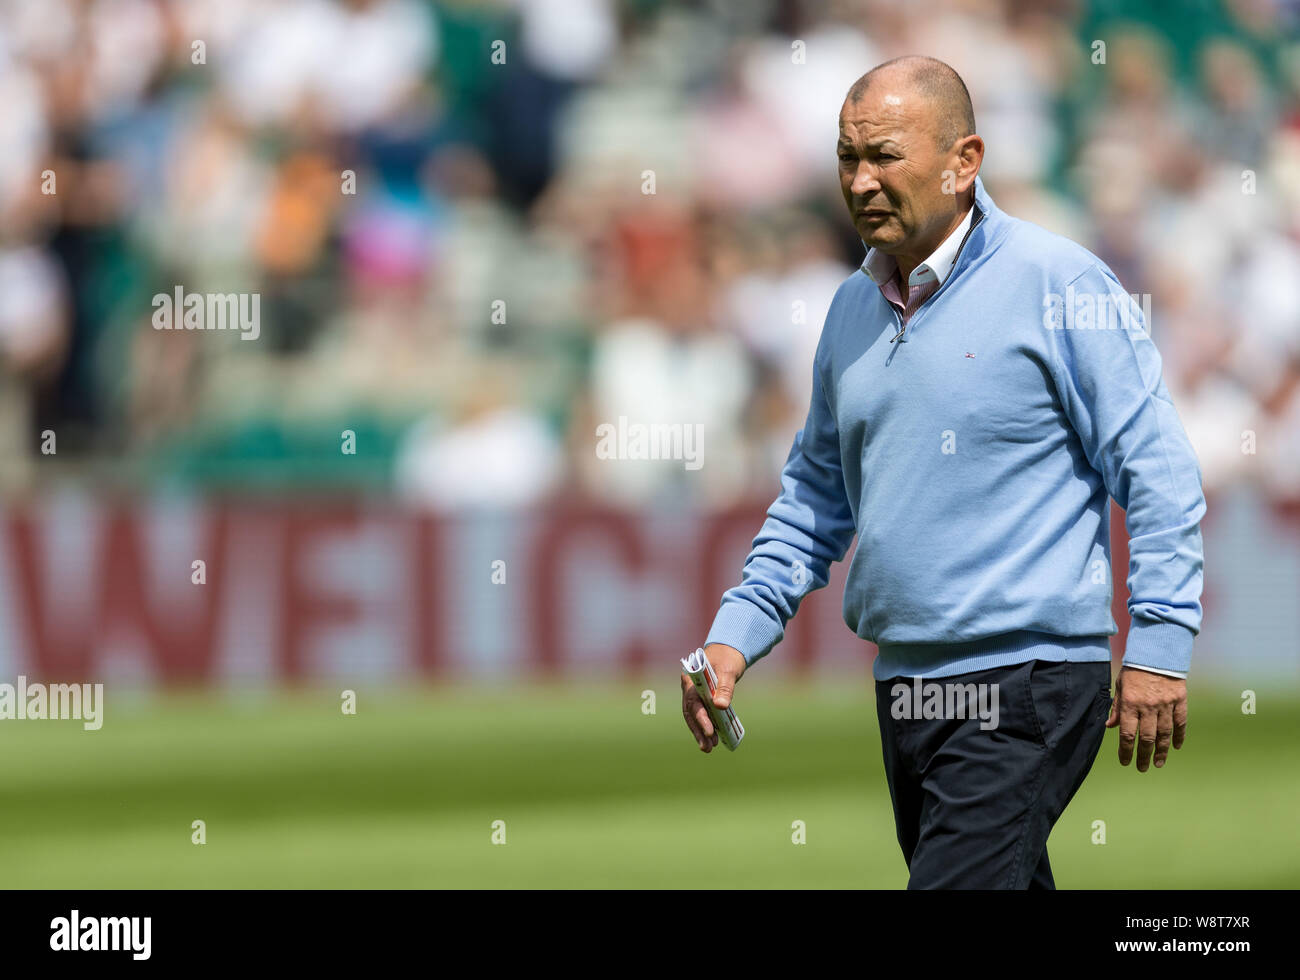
(987, 227)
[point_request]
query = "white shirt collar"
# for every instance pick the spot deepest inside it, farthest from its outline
(880, 266)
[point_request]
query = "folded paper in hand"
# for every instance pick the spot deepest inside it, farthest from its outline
(725, 723)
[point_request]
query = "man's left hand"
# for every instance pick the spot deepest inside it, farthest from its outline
(1150, 710)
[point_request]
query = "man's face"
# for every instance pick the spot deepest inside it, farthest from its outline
(891, 170)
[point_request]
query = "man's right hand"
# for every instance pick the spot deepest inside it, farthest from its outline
(728, 664)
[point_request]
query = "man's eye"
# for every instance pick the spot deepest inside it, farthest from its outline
(846, 157)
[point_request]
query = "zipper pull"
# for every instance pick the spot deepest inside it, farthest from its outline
(900, 333)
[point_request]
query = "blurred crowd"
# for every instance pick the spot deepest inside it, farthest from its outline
(478, 230)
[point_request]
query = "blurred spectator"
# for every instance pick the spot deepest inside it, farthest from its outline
(489, 454)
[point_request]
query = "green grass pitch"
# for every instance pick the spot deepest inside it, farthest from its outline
(593, 792)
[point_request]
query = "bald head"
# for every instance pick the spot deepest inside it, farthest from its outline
(940, 88)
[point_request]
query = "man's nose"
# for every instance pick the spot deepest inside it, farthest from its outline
(865, 180)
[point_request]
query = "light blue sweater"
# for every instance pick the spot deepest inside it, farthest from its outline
(973, 458)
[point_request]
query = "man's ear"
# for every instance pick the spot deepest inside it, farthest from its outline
(970, 154)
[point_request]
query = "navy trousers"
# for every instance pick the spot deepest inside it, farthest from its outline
(974, 804)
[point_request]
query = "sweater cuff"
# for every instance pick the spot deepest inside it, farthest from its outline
(1158, 644)
(744, 626)
(1181, 675)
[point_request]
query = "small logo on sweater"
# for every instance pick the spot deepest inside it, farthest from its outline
(969, 354)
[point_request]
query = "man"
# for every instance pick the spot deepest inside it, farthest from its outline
(980, 387)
